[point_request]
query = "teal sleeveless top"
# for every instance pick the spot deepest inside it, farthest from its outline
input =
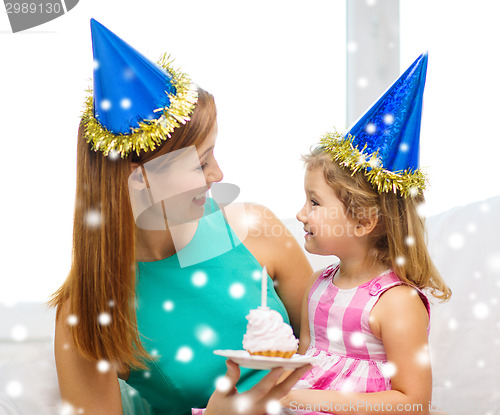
(190, 304)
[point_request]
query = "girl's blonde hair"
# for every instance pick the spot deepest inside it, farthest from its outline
(399, 239)
(102, 275)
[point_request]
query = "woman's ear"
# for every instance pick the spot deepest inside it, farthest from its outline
(133, 166)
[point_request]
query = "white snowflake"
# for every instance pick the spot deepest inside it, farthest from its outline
(423, 356)
(14, 388)
(125, 103)
(96, 64)
(72, 320)
(452, 324)
(374, 162)
(223, 384)
(362, 82)
(357, 339)
(199, 279)
(404, 147)
(334, 334)
(67, 409)
(481, 310)
(19, 333)
(422, 210)
(389, 370)
(128, 74)
(410, 241)
(371, 128)
(352, 46)
(93, 218)
(184, 354)
(400, 260)
(243, 403)
(348, 386)
(206, 335)
(388, 119)
(471, 227)
(273, 407)
(494, 263)
(484, 208)
(103, 366)
(106, 105)
(456, 240)
(414, 191)
(237, 290)
(168, 305)
(113, 155)
(104, 319)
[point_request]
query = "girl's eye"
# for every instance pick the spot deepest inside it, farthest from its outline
(203, 166)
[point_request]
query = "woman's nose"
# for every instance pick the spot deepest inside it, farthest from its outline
(215, 174)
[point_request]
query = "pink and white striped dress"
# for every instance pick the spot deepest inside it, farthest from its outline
(349, 357)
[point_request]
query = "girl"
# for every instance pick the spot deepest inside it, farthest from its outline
(367, 319)
(148, 297)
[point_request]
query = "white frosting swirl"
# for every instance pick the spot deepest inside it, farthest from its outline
(266, 330)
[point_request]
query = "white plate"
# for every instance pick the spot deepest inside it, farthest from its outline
(245, 359)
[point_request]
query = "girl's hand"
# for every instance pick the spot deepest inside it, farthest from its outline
(254, 401)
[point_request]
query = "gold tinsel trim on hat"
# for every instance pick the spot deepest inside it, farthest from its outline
(150, 133)
(408, 183)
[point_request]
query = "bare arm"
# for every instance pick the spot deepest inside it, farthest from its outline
(254, 401)
(403, 328)
(272, 244)
(81, 383)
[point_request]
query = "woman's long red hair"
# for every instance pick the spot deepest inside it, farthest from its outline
(102, 275)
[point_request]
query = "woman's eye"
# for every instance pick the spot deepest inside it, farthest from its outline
(314, 202)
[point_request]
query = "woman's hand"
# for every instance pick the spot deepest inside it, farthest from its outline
(254, 401)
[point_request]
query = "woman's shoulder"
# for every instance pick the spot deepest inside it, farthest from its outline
(253, 220)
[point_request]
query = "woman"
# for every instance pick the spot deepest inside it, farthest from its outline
(149, 301)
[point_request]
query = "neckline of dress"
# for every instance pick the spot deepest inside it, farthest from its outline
(386, 272)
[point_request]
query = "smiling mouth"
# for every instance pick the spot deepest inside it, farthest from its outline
(200, 199)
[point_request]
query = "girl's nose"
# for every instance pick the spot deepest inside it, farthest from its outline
(301, 216)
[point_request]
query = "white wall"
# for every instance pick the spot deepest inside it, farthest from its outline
(276, 68)
(460, 133)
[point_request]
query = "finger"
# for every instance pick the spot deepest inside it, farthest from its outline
(226, 385)
(233, 372)
(267, 383)
(284, 387)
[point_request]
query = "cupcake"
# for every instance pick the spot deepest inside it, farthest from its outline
(268, 335)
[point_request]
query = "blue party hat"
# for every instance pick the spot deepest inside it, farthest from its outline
(136, 103)
(384, 142)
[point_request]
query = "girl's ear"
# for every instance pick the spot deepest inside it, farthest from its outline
(366, 225)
